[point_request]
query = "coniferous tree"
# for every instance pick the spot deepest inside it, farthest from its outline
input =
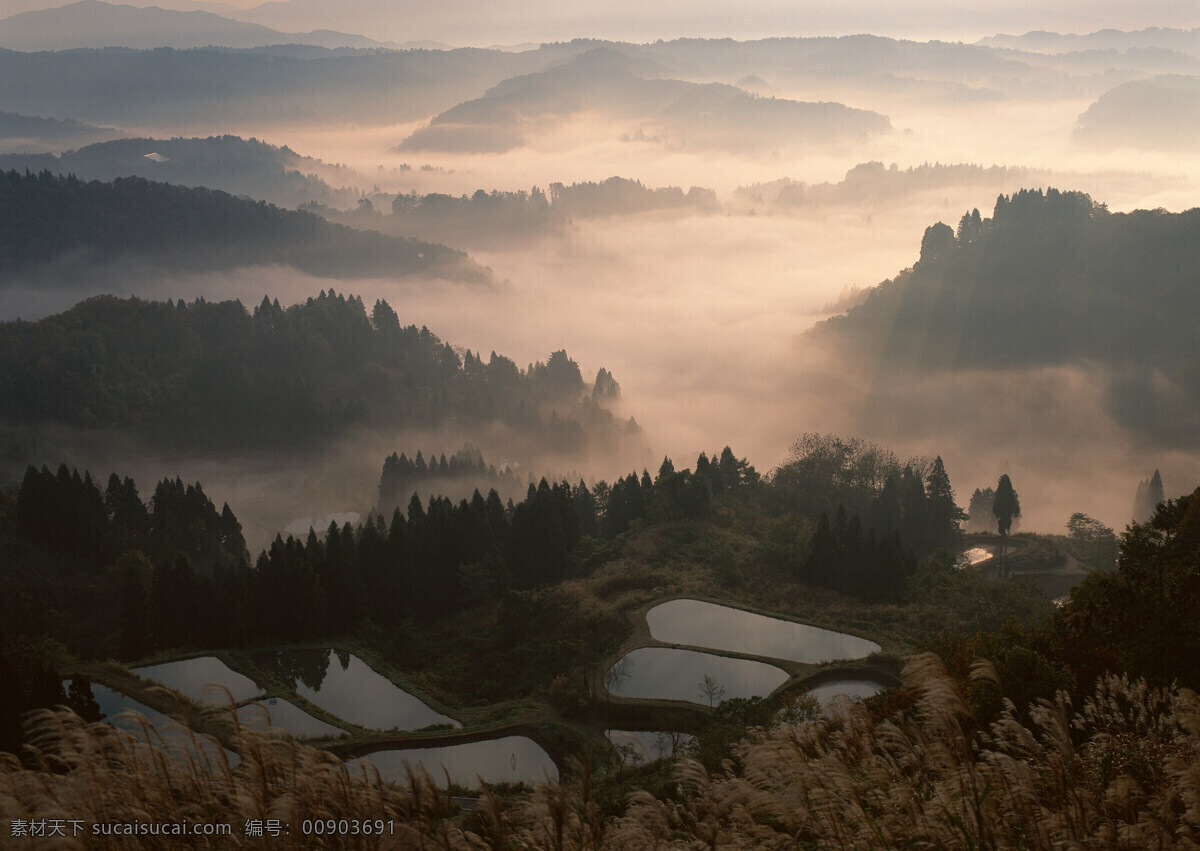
(1149, 495)
(1006, 506)
(943, 514)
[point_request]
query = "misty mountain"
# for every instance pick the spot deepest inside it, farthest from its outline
(239, 166)
(853, 55)
(665, 111)
(677, 90)
(195, 88)
(1051, 279)
(497, 218)
(44, 218)
(875, 183)
(1183, 41)
(212, 375)
(1162, 113)
(35, 133)
(95, 24)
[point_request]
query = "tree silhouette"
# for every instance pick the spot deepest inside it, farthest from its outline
(711, 689)
(1149, 495)
(1006, 505)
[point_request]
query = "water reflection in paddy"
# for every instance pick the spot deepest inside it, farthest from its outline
(512, 759)
(116, 709)
(672, 674)
(345, 686)
(975, 555)
(195, 678)
(724, 628)
(283, 715)
(826, 693)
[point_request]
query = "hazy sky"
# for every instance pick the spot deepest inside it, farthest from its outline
(484, 22)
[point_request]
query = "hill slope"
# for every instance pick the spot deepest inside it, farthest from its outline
(94, 24)
(44, 218)
(1050, 279)
(228, 163)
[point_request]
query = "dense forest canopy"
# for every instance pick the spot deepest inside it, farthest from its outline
(215, 375)
(242, 167)
(1051, 279)
(44, 217)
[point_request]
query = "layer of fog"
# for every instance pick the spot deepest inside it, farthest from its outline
(701, 317)
(270, 492)
(1030, 134)
(701, 320)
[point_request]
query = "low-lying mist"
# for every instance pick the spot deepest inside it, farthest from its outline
(701, 319)
(701, 316)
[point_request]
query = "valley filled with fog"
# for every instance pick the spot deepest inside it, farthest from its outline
(699, 302)
(497, 425)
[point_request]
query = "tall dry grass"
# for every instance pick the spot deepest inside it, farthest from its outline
(1121, 772)
(97, 773)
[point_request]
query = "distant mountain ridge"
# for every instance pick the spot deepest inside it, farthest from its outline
(663, 110)
(96, 24)
(243, 167)
(46, 218)
(1161, 113)
(1182, 40)
(38, 133)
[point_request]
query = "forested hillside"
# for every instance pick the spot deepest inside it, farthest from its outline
(214, 375)
(1051, 279)
(44, 217)
(242, 167)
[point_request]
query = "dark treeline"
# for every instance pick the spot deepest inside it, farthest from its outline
(72, 516)
(1051, 279)
(488, 217)
(243, 167)
(875, 516)
(874, 182)
(44, 217)
(613, 196)
(403, 476)
(180, 574)
(213, 375)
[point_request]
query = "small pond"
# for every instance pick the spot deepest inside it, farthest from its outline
(641, 746)
(672, 674)
(114, 706)
(348, 688)
(283, 715)
(512, 759)
(194, 678)
(826, 693)
(723, 628)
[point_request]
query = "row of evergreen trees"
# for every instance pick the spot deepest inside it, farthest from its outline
(213, 375)
(403, 476)
(68, 514)
(178, 572)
